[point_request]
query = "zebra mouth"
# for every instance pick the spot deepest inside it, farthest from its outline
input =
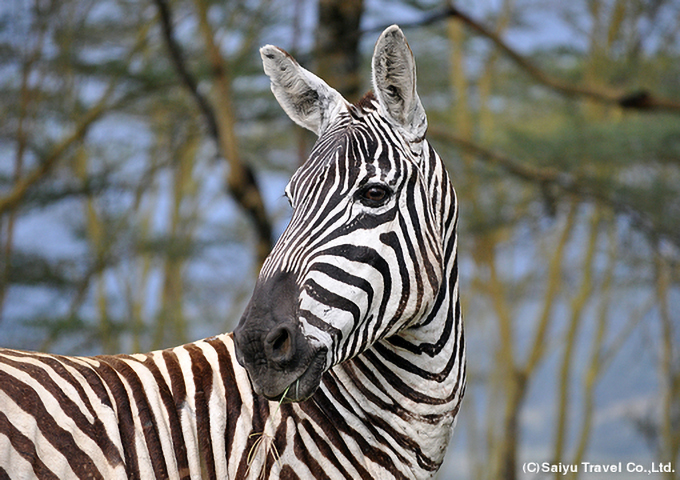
(303, 387)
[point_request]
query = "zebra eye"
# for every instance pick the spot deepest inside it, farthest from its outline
(374, 195)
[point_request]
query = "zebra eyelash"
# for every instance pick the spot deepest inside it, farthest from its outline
(286, 194)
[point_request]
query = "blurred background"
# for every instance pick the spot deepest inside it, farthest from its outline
(143, 160)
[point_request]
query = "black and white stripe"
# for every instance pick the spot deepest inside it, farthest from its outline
(352, 346)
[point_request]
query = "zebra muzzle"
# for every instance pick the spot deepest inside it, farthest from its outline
(270, 344)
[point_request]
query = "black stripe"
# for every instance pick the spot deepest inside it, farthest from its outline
(363, 254)
(417, 268)
(179, 389)
(62, 440)
(25, 447)
(432, 349)
(315, 321)
(402, 387)
(344, 276)
(175, 424)
(337, 421)
(203, 376)
(287, 473)
(332, 299)
(391, 240)
(126, 425)
(95, 430)
(179, 393)
(328, 451)
(260, 412)
(147, 419)
(323, 411)
(234, 401)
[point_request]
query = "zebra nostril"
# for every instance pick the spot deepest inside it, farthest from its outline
(278, 345)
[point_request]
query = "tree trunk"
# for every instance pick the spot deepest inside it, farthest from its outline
(337, 45)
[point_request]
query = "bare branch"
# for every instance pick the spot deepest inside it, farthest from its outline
(634, 100)
(580, 187)
(13, 198)
(577, 305)
(177, 57)
(220, 120)
(22, 185)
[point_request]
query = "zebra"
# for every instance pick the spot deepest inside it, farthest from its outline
(349, 360)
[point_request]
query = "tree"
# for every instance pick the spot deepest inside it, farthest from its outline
(337, 45)
(143, 159)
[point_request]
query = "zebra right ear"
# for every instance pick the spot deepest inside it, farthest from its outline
(307, 99)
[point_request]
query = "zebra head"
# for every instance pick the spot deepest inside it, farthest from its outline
(362, 257)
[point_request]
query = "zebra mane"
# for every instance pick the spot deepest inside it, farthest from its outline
(367, 102)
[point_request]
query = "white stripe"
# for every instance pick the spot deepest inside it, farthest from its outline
(188, 414)
(218, 411)
(158, 409)
(26, 424)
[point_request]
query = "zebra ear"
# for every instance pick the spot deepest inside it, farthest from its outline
(307, 99)
(394, 82)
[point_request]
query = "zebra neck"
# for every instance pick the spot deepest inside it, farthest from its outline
(406, 390)
(428, 358)
(398, 402)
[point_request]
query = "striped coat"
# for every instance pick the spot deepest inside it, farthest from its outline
(189, 412)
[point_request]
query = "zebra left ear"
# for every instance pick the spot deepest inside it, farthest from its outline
(394, 82)
(307, 99)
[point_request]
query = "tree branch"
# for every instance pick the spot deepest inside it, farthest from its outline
(23, 184)
(240, 180)
(561, 181)
(633, 100)
(17, 194)
(177, 58)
